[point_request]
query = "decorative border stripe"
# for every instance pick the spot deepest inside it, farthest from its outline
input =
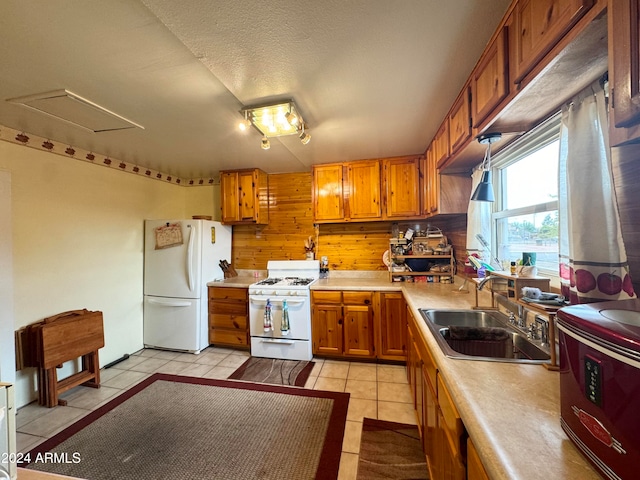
(44, 144)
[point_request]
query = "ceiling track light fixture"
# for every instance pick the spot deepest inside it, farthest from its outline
(275, 120)
(305, 137)
(484, 190)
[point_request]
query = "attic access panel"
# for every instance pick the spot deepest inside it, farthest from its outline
(76, 110)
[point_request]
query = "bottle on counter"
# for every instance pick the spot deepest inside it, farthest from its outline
(513, 268)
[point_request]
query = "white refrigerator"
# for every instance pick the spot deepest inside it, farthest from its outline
(180, 257)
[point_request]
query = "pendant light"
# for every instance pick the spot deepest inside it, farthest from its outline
(484, 190)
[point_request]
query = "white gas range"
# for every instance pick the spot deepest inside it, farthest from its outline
(287, 289)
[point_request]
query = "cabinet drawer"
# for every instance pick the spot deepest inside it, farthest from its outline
(228, 337)
(227, 293)
(237, 322)
(326, 297)
(228, 308)
(357, 298)
(452, 421)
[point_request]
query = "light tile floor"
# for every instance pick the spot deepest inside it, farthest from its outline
(377, 391)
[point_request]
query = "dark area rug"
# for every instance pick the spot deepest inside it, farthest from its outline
(390, 450)
(275, 371)
(188, 428)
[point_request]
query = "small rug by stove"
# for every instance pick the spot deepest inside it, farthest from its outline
(187, 428)
(390, 450)
(275, 371)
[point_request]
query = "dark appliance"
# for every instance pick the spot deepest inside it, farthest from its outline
(600, 383)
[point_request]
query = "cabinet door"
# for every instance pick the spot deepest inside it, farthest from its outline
(392, 327)
(358, 331)
(412, 355)
(625, 50)
(247, 194)
(328, 202)
(475, 469)
(229, 195)
(364, 190)
(539, 25)
(441, 145)
(489, 83)
(429, 422)
(431, 183)
(460, 121)
(327, 329)
(448, 458)
(402, 187)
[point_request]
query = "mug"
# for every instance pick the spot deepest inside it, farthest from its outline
(527, 270)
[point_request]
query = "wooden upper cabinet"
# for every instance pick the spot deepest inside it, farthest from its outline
(441, 144)
(624, 67)
(489, 80)
(367, 190)
(443, 194)
(328, 193)
(460, 121)
(230, 196)
(364, 190)
(402, 187)
(430, 183)
(538, 26)
(245, 196)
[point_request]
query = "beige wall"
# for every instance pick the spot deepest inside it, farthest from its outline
(78, 242)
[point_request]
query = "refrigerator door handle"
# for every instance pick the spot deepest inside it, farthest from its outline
(166, 303)
(192, 238)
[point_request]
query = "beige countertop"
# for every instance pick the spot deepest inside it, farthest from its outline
(241, 281)
(511, 411)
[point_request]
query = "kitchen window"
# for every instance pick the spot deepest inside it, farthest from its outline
(525, 217)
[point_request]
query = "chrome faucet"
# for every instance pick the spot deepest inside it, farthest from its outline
(544, 330)
(485, 280)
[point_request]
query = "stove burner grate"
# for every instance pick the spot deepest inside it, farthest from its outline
(300, 281)
(269, 281)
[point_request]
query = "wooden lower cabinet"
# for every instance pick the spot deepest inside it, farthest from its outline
(228, 316)
(342, 323)
(391, 327)
(475, 469)
(442, 431)
(451, 447)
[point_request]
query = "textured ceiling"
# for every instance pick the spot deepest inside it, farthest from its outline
(373, 78)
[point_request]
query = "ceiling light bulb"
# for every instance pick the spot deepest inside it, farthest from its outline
(265, 143)
(305, 137)
(244, 124)
(292, 118)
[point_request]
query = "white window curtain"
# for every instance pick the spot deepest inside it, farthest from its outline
(593, 260)
(478, 222)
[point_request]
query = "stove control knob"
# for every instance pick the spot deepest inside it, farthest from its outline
(293, 293)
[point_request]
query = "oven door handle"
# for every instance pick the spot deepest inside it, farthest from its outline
(278, 341)
(275, 300)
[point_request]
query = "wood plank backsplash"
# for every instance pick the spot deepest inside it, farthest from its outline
(349, 246)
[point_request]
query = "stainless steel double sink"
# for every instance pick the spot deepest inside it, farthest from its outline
(482, 335)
